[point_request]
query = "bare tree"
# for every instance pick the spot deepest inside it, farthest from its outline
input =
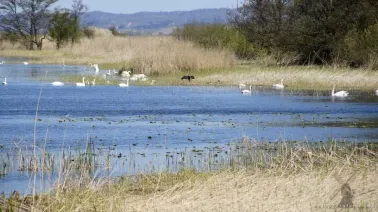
(27, 20)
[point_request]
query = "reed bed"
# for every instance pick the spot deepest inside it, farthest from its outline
(148, 55)
(257, 176)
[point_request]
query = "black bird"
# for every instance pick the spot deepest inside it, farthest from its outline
(187, 77)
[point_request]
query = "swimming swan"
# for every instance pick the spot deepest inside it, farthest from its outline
(124, 84)
(340, 93)
(241, 86)
(81, 84)
(5, 82)
(245, 91)
(56, 83)
(279, 86)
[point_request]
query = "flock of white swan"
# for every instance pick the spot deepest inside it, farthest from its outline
(281, 86)
(126, 75)
(142, 77)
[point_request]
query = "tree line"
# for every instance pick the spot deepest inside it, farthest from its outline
(30, 22)
(310, 31)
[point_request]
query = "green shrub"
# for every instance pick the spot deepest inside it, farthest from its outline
(218, 36)
(360, 48)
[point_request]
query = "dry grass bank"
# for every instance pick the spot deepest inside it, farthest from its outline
(263, 177)
(313, 78)
(144, 54)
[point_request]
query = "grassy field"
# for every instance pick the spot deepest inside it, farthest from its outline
(166, 60)
(263, 177)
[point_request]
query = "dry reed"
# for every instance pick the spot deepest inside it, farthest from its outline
(158, 55)
(282, 177)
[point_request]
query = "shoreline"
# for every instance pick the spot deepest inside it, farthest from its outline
(305, 78)
(280, 177)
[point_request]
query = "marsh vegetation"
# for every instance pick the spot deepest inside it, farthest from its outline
(155, 146)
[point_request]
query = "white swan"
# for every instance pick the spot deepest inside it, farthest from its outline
(340, 93)
(134, 78)
(241, 86)
(279, 86)
(81, 84)
(141, 76)
(93, 82)
(5, 82)
(95, 66)
(124, 84)
(26, 63)
(126, 74)
(56, 83)
(376, 92)
(97, 69)
(245, 91)
(2, 62)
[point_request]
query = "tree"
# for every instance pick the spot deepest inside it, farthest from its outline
(264, 22)
(312, 29)
(78, 9)
(62, 26)
(27, 19)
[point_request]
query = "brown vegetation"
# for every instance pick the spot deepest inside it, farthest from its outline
(262, 177)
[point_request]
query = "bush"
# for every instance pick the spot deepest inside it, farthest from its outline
(88, 32)
(360, 48)
(218, 36)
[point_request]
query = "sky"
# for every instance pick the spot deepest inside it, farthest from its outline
(133, 6)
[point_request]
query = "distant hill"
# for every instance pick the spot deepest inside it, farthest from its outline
(153, 22)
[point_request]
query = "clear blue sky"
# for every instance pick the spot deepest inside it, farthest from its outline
(133, 6)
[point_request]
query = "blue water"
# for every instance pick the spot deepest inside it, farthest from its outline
(153, 119)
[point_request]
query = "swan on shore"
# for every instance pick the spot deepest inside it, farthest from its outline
(81, 84)
(56, 83)
(95, 66)
(339, 93)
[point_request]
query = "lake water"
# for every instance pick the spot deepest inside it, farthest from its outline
(147, 122)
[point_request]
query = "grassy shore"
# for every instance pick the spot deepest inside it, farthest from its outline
(281, 176)
(166, 60)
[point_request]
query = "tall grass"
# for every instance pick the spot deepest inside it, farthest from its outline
(295, 77)
(148, 55)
